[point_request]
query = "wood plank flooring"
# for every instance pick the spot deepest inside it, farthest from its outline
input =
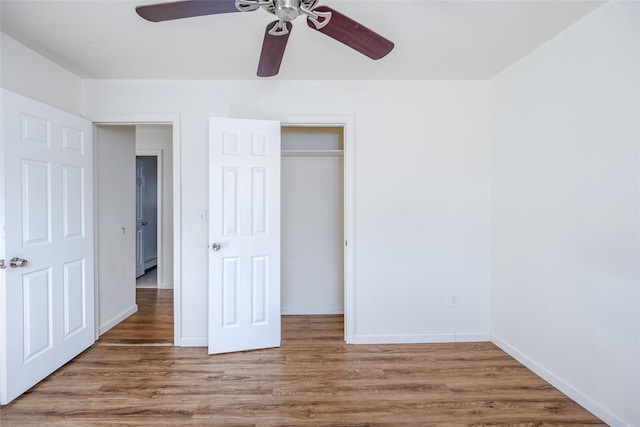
(312, 379)
(151, 324)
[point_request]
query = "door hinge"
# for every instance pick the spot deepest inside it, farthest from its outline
(2, 266)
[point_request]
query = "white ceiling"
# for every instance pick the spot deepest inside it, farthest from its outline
(446, 39)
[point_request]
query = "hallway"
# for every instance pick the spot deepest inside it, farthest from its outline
(152, 324)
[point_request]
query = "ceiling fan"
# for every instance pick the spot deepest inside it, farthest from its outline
(320, 18)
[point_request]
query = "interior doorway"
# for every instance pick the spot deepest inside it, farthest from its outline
(120, 148)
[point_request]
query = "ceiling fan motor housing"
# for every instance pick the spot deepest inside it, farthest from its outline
(287, 10)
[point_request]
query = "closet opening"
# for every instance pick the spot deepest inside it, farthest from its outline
(312, 220)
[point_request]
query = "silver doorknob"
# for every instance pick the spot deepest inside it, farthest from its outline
(17, 262)
(215, 247)
(144, 223)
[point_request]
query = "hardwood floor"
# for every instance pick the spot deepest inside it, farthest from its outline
(151, 324)
(312, 379)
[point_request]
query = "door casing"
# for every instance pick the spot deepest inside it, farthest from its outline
(346, 122)
(151, 119)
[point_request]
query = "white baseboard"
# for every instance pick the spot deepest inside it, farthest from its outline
(165, 285)
(473, 337)
(421, 338)
(194, 342)
(375, 339)
(556, 381)
(303, 311)
(104, 327)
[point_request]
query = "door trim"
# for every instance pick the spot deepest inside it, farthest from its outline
(155, 119)
(346, 122)
(157, 153)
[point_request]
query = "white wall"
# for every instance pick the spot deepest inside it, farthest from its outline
(312, 219)
(30, 74)
(116, 177)
(421, 191)
(160, 137)
(565, 212)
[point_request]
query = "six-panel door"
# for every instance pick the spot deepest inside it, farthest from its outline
(244, 252)
(47, 307)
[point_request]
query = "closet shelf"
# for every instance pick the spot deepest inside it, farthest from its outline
(312, 153)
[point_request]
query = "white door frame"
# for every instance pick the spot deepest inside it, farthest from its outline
(153, 119)
(347, 124)
(157, 153)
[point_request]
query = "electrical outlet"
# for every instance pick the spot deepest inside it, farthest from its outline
(454, 300)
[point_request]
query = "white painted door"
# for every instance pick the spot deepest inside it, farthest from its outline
(140, 222)
(46, 305)
(244, 235)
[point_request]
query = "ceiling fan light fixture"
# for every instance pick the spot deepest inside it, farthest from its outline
(287, 10)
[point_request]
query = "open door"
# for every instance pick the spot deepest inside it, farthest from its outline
(46, 241)
(140, 221)
(244, 234)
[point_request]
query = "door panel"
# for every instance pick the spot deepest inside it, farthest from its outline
(244, 273)
(47, 304)
(259, 290)
(75, 304)
(38, 322)
(230, 291)
(73, 182)
(36, 197)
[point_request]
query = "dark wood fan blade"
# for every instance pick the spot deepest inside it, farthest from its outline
(185, 9)
(273, 47)
(354, 35)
